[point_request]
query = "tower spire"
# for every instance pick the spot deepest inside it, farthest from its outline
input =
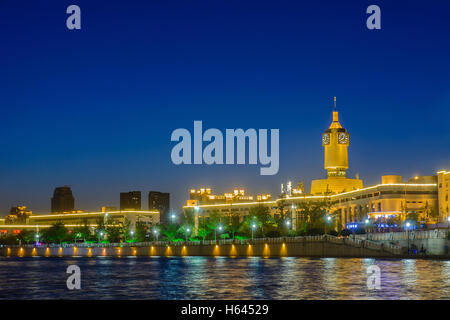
(334, 103)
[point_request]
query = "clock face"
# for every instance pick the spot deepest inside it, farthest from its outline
(342, 138)
(326, 138)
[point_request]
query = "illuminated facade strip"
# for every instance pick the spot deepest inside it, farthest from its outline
(315, 197)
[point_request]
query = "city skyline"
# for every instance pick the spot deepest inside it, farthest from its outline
(97, 116)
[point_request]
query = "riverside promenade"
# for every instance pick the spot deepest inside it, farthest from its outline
(310, 246)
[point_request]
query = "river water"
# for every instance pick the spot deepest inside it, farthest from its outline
(222, 278)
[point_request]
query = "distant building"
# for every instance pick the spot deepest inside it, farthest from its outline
(130, 200)
(443, 193)
(18, 215)
(205, 197)
(160, 201)
(63, 200)
(107, 208)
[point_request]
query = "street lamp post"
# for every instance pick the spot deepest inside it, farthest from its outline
(253, 227)
(448, 223)
(173, 218)
(215, 230)
(155, 232)
(100, 235)
(326, 224)
(407, 233)
(187, 231)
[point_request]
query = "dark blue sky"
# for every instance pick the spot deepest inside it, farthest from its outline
(95, 108)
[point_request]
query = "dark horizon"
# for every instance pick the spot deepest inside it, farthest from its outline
(94, 108)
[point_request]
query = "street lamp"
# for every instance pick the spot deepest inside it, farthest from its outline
(288, 223)
(220, 229)
(326, 224)
(187, 232)
(407, 233)
(448, 222)
(173, 216)
(100, 236)
(253, 228)
(155, 232)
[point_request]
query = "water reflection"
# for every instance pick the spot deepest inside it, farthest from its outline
(222, 278)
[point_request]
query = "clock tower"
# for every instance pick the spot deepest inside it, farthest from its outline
(335, 141)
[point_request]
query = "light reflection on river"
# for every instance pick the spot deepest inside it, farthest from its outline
(222, 278)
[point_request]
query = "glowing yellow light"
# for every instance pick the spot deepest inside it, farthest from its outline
(283, 251)
(33, 252)
(89, 252)
(249, 250)
(266, 251)
(184, 251)
(233, 251)
(216, 251)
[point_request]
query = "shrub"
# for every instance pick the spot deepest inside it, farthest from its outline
(273, 234)
(345, 232)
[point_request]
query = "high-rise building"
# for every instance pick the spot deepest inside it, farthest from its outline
(63, 200)
(130, 200)
(160, 201)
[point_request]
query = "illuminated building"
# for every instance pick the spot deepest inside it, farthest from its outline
(160, 201)
(263, 197)
(18, 214)
(335, 141)
(392, 199)
(203, 196)
(62, 200)
(443, 192)
(72, 220)
(130, 200)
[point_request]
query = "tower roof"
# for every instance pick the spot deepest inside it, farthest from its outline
(335, 124)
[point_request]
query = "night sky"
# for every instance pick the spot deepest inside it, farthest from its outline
(94, 108)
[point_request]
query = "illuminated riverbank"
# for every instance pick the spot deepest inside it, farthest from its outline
(318, 246)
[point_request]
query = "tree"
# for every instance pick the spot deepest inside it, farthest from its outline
(83, 231)
(233, 223)
(27, 236)
(56, 233)
(141, 231)
(170, 231)
(203, 232)
(280, 207)
(314, 213)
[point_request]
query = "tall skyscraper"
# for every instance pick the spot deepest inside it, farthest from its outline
(160, 201)
(63, 200)
(130, 200)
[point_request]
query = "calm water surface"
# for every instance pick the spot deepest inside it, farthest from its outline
(222, 278)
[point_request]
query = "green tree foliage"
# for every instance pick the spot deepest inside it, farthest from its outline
(203, 232)
(170, 231)
(141, 231)
(27, 236)
(314, 214)
(261, 217)
(56, 233)
(82, 232)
